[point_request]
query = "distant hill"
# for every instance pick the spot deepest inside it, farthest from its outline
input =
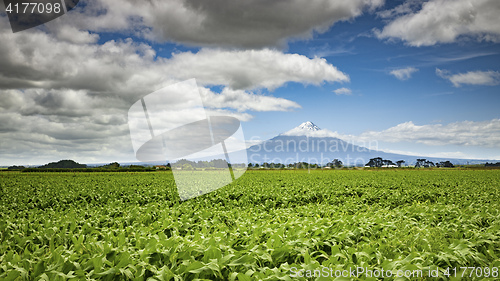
(64, 164)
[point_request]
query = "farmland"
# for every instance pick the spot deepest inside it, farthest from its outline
(264, 226)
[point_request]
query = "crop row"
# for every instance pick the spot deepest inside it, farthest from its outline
(126, 226)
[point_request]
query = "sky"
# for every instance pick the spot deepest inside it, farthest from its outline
(414, 77)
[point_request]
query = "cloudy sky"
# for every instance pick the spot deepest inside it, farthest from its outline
(416, 77)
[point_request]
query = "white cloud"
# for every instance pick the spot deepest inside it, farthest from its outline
(217, 23)
(133, 69)
(451, 154)
(67, 96)
(73, 35)
(466, 133)
(403, 73)
(244, 101)
(488, 78)
(242, 116)
(443, 21)
(343, 91)
(251, 69)
(405, 8)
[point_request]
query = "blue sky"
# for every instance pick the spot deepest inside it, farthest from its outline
(424, 98)
(417, 77)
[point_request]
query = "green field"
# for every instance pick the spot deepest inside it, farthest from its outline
(267, 225)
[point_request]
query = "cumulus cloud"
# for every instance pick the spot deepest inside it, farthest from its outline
(443, 21)
(37, 66)
(28, 60)
(466, 133)
(403, 73)
(343, 91)
(407, 7)
(251, 69)
(218, 23)
(74, 35)
(65, 95)
(33, 59)
(243, 101)
(451, 154)
(488, 78)
(38, 126)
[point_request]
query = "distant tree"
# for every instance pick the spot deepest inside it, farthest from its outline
(187, 166)
(181, 162)
(201, 164)
(64, 164)
(302, 165)
(250, 165)
(423, 163)
(277, 166)
(388, 163)
(400, 163)
(420, 163)
(379, 162)
(336, 163)
(375, 162)
(136, 167)
(16, 167)
(220, 163)
(445, 164)
(112, 165)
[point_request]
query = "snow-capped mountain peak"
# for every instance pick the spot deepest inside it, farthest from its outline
(308, 129)
(308, 126)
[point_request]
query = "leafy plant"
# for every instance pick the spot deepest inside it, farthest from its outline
(132, 226)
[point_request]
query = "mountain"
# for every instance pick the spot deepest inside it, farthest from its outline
(304, 128)
(308, 143)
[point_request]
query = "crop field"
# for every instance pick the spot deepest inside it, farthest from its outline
(267, 225)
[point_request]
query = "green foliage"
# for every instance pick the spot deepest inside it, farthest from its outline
(16, 167)
(113, 165)
(132, 226)
(131, 168)
(63, 164)
(215, 163)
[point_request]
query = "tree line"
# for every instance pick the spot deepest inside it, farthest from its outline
(421, 163)
(376, 162)
(72, 166)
